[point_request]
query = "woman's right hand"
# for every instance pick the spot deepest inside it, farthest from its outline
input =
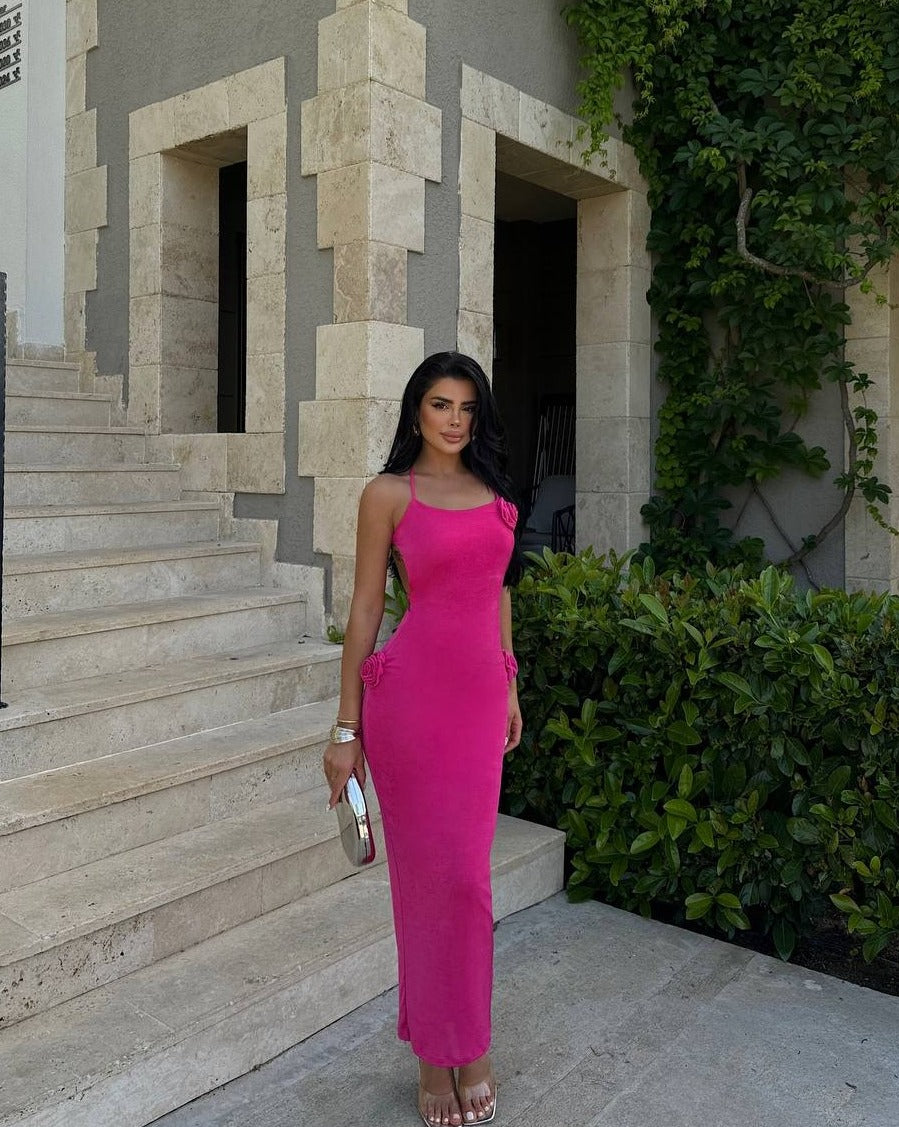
(340, 761)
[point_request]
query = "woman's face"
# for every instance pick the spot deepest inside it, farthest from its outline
(446, 414)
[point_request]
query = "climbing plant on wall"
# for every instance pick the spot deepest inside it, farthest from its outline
(768, 133)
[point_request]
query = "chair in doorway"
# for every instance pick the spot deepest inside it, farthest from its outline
(551, 521)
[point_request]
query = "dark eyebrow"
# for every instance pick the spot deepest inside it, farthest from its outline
(466, 402)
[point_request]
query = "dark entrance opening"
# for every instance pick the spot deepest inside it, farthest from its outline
(232, 337)
(534, 366)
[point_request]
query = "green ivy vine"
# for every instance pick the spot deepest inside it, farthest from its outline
(768, 133)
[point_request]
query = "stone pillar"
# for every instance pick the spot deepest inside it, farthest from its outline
(372, 140)
(614, 451)
(85, 192)
(872, 344)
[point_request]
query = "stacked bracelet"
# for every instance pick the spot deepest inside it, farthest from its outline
(340, 735)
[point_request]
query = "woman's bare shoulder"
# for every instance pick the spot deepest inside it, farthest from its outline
(386, 491)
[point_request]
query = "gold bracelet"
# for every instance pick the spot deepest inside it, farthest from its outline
(345, 723)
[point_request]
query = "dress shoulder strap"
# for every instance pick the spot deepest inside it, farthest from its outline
(412, 482)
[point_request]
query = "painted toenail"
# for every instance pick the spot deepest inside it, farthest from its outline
(469, 1116)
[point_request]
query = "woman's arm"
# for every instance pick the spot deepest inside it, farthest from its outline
(513, 722)
(374, 532)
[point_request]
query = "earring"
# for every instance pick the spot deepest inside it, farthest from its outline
(415, 430)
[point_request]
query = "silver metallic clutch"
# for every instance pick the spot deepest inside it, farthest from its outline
(355, 824)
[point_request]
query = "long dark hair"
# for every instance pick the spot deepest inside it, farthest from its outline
(485, 454)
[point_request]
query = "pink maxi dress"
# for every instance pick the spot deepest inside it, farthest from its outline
(434, 713)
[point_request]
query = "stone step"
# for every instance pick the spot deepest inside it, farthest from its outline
(52, 408)
(82, 720)
(52, 648)
(39, 584)
(92, 485)
(74, 445)
(69, 933)
(62, 819)
(165, 1034)
(65, 528)
(27, 377)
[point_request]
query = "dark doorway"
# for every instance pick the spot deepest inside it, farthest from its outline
(232, 341)
(534, 367)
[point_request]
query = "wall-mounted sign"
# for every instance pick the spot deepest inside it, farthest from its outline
(11, 45)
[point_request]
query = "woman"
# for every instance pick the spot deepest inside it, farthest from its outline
(439, 709)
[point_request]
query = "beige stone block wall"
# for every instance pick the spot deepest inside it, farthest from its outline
(366, 201)
(477, 170)
(369, 282)
(81, 27)
(365, 359)
(85, 188)
(508, 129)
(474, 337)
(187, 399)
(173, 202)
(872, 344)
(398, 5)
(81, 141)
(81, 261)
(372, 141)
(266, 231)
(371, 41)
(255, 94)
(345, 437)
(614, 446)
(188, 262)
(334, 528)
(256, 463)
(267, 156)
(265, 393)
(76, 84)
(476, 265)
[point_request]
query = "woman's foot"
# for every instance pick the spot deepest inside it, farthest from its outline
(437, 1099)
(476, 1086)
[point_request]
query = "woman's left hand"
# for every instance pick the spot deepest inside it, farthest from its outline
(513, 722)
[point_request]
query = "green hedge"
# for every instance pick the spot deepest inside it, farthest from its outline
(717, 748)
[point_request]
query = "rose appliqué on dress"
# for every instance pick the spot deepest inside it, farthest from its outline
(372, 668)
(511, 666)
(508, 512)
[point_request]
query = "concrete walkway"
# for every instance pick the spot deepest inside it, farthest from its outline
(603, 1019)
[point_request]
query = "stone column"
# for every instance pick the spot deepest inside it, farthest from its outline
(872, 344)
(85, 193)
(613, 370)
(372, 140)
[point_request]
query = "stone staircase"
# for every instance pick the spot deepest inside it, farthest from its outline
(175, 907)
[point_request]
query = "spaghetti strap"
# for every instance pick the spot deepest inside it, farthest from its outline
(412, 482)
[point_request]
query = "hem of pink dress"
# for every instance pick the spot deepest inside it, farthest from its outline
(445, 1061)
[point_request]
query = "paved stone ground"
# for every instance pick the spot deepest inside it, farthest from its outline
(603, 1019)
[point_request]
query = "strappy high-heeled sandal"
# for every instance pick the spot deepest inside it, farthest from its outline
(468, 1092)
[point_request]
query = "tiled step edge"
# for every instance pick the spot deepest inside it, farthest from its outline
(109, 557)
(140, 1047)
